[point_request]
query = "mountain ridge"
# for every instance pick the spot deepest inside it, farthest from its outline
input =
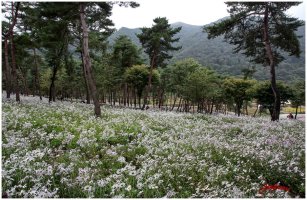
(218, 54)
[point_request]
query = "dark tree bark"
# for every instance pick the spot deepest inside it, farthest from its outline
(296, 109)
(125, 94)
(52, 84)
(88, 99)
(7, 70)
(135, 96)
(269, 53)
(212, 104)
(256, 110)
(54, 73)
(179, 105)
(36, 77)
(87, 61)
(11, 35)
(161, 94)
(148, 87)
(12, 81)
(14, 69)
(175, 99)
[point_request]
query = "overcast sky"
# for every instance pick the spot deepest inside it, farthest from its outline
(195, 12)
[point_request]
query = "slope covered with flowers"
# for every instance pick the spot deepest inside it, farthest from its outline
(62, 150)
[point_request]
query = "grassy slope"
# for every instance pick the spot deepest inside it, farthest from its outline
(61, 150)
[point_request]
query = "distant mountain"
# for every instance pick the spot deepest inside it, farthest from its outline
(217, 54)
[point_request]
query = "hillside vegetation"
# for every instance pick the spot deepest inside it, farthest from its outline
(218, 55)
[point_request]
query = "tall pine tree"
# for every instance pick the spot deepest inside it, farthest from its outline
(157, 42)
(262, 31)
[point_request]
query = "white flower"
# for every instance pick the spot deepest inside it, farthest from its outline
(128, 188)
(121, 159)
(111, 153)
(88, 188)
(139, 185)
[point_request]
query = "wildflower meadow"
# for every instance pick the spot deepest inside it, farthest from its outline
(60, 150)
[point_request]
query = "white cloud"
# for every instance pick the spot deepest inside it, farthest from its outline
(195, 12)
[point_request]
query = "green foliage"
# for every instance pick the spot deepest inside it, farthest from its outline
(263, 93)
(179, 72)
(239, 90)
(201, 84)
(244, 30)
(45, 80)
(137, 76)
(157, 41)
(219, 56)
(262, 31)
(125, 53)
(298, 90)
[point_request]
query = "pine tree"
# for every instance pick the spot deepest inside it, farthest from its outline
(9, 35)
(262, 31)
(157, 42)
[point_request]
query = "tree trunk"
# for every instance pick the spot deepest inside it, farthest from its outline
(139, 94)
(87, 62)
(114, 98)
(37, 80)
(22, 76)
(212, 104)
(296, 109)
(256, 110)
(148, 87)
(7, 70)
(134, 95)
(238, 107)
(88, 99)
(175, 99)
(126, 94)
(10, 34)
(161, 94)
(276, 106)
(14, 70)
(52, 85)
(179, 105)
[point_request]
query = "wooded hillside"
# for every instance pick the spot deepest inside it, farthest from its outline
(218, 54)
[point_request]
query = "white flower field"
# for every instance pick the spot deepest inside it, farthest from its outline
(61, 150)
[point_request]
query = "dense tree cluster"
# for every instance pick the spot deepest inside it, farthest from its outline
(60, 51)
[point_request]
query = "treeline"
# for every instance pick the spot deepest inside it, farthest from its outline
(219, 55)
(45, 50)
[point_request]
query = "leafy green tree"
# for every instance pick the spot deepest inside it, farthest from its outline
(298, 98)
(24, 59)
(239, 90)
(262, 31)
(201, 86)
(46, 24)
(125, 54)
(178, 74)
(87, 60)
(62, 20)
(137, 77)
(180, 71)
(13, 8)
(263, 93)
(157, 42)
(45, 80)
(174, 75)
